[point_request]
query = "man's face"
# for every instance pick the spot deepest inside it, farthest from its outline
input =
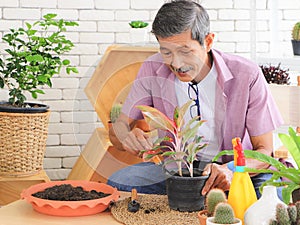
(185, 57)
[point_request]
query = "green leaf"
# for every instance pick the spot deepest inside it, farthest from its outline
(157, 119)
(292, 143)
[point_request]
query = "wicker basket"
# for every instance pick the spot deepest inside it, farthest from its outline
(23, 139)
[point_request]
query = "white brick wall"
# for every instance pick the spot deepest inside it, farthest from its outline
(105, 22)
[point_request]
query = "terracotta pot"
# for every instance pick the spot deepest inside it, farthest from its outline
(210, 220)
(202, 215)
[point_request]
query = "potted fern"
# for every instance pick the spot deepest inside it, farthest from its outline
(296, 38)
(180, 147)
(33, 56)
(291, 183)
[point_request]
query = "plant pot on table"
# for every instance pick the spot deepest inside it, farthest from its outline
(184, 192)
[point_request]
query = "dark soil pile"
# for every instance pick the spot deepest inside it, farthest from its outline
(67, 192)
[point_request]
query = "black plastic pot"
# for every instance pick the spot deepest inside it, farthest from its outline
(296, 47)
(30, 108)
(184, 193)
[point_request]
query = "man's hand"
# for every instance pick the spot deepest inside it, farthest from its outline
(220, 177)
(137, 140)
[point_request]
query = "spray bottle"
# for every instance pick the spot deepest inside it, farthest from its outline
(241, 193)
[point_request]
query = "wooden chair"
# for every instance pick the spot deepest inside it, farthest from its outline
(109, 84)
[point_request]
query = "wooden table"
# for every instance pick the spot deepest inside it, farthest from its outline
(21, 213)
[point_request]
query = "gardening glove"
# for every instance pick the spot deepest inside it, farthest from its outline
(220, 177)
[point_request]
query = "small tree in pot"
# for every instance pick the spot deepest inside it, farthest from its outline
(180, 146)
(33, 57)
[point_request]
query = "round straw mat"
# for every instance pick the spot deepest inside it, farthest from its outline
(154, 210)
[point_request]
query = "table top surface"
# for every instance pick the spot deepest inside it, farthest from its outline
(21, 213)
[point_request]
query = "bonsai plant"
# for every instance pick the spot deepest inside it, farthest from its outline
(275, 74)
(296, 39)
(180, 146)
(33, 56)
(223, 214)
(213, 197)
(291, 174)
(138, 33)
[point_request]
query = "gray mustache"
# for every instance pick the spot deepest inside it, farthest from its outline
(182, 69)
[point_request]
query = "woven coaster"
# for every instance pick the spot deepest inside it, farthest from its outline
(154, 210)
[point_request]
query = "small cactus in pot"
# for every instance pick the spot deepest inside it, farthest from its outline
(296, 38)
(223, 214)
(213, 198)
(115, 112)
(289, 215)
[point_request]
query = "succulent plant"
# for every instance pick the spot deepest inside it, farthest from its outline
(287, 215)
(292, 211)
(296, 32)
(224, 214)
(115, 112)
(214, 197)
(282, 215)
(275, 74)
(138, 24)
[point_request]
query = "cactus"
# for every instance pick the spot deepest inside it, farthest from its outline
(115, 112)
(273, 222)
(296, 32)
(214, 197)
(292, 211)
(297, 204)
(282, 215)
(224, 214)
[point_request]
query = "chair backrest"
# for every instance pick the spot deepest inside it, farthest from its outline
(114, 76)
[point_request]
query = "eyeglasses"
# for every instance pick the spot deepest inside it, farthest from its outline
(193, 93)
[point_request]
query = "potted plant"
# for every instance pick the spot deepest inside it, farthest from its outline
(213, 197)
(33, 56)
(114, 113)
(286, 214)
(138, 31)
(223, 214)
(275, 74)
(292, 177)
(180, 147)
(296, 39)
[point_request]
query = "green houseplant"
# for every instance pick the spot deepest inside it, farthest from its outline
(138, 31)
(296, 38)
(292, 142)
(180, 146)
(33, 56)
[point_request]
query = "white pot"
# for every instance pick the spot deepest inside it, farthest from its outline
(209, 221)
(264, 209)
(138, 35)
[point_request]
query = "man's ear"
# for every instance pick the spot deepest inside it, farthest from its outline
(208, 41)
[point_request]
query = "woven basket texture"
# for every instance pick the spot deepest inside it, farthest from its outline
(23, 139)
